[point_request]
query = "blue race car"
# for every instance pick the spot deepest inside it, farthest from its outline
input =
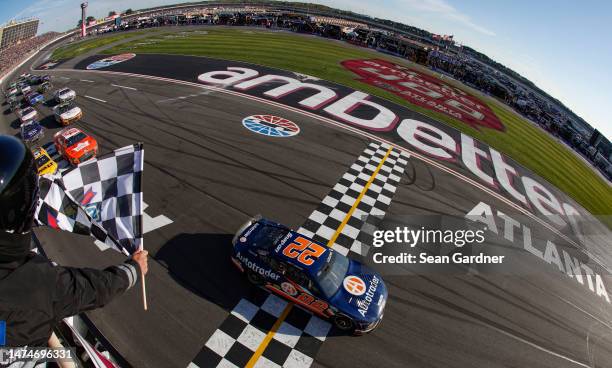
(31, 131)
(313, 276)
(34, 98)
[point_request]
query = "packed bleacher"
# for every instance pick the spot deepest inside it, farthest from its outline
(13, 55)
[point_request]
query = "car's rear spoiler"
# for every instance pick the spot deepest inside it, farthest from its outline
(244, 226)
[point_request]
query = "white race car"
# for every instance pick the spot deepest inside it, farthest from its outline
(67, 113)
(64, 95)
(11, 92)
(25, 90)
(27, 114)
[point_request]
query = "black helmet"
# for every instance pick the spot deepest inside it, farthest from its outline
(18, 186)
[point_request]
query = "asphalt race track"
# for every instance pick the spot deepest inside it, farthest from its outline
(207, 174)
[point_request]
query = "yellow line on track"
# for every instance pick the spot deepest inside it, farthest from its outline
(264, 344)
(358, 200)
(266, 341)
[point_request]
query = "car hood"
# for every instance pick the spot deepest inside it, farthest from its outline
(364, 304)
(28, 116)
(65, 94)
(71, 113)
(48, 168)
(76, 150)
(31, 131)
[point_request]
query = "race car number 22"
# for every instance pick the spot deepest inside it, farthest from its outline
(304, 250)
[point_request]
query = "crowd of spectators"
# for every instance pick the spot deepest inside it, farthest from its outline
(524, 100)
(13, 55)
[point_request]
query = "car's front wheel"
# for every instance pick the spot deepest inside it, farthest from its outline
(254, 278)
(343, 323)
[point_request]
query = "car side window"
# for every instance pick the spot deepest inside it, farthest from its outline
(298, 276)
(277, 266)
(314, 289)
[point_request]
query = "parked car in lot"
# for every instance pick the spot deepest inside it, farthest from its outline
(31, 131)
(64, 95)
(67, 113)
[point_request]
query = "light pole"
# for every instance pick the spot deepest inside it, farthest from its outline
(83, 26)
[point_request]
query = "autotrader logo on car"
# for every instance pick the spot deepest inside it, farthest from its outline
(364, 304)
(260, 270)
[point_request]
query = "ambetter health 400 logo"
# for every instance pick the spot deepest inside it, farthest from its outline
(426, 91)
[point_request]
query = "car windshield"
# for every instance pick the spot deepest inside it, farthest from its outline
(28, 110)
(75, 138)
(268, 236)
(29, 127)
(63, 108)
(332, 273)
(41, 160)
(64, 91)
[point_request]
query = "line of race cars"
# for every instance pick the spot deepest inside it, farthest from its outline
(71, 143)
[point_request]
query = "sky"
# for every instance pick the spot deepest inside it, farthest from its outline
(562, 46)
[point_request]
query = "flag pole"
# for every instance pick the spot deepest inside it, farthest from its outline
(144, 289)
(143, 283)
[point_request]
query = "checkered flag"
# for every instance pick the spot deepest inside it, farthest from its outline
(109, 190)
(57, 210)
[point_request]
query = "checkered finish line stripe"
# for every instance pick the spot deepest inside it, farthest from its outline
(294, 344)
(355, 238)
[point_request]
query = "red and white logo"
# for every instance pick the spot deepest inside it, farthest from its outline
(354, 285)
(426, 91)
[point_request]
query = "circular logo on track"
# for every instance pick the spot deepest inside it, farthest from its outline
(270, 125)
(116, 59)
(354, 285)
(288, 288)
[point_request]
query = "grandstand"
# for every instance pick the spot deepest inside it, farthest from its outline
(14, 32)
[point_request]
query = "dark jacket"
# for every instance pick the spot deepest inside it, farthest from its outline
(35, 295)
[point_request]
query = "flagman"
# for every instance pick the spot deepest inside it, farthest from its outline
(34, 294)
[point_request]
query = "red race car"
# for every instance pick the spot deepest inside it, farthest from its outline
(75, 145)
